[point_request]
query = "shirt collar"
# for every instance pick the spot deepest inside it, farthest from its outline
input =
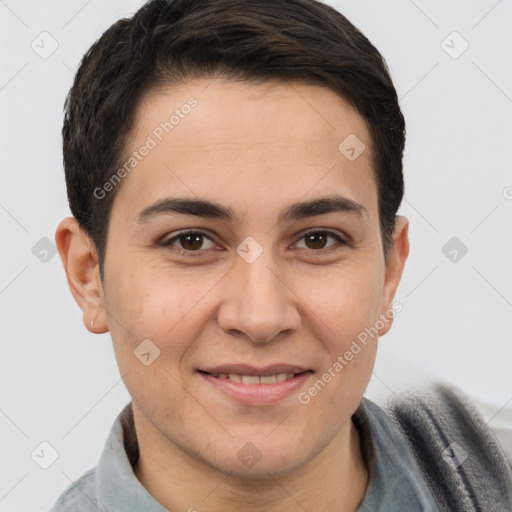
(118, 487)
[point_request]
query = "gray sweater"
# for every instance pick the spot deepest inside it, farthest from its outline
(460, 458)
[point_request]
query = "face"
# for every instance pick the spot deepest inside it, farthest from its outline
(244, 259)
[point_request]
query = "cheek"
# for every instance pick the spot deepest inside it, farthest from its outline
(343, 311)
(152, 301)
(345, 301)
(163, 307)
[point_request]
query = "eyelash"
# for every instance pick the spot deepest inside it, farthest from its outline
(168, 243)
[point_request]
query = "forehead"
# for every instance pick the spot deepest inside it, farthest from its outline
(240, 143)
(247, 113)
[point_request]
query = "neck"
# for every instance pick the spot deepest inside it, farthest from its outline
(334, 481)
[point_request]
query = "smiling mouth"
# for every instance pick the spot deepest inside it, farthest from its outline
(252, 386)
(252, 380)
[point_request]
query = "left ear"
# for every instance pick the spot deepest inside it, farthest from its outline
(399, 251)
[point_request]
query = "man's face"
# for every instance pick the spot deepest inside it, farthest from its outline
(260, 293)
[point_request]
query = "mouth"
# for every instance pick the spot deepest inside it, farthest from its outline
(251, 380)
(256, 386)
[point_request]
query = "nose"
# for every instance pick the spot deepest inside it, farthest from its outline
(258, 304)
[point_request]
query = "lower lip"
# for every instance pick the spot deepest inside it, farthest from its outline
(258, 394)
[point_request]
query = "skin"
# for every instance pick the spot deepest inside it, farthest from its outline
(255, 149)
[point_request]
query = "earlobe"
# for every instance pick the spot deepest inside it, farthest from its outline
(80, 262)
(399, 252)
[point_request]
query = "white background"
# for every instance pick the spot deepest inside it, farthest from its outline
(61, 384)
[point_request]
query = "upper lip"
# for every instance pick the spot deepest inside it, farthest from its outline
(246, 369)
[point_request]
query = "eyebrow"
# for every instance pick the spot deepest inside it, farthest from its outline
(212, 210)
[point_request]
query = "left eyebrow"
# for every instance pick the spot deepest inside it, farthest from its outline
(321, 206)
(212, 210)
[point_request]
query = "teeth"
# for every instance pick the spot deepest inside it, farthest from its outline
(250, 379)
(255, 379)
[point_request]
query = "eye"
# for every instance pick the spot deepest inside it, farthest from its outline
(189, 242)
(315, 241)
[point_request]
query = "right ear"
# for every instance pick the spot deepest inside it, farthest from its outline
(80, 261)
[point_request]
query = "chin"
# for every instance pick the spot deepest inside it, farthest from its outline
(260, 461)
(263, 469)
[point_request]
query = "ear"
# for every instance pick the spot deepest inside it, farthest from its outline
(80, 261)
(399, 251)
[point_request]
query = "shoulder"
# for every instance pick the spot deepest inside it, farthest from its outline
(80, 495)
(456, 450)
(443, 414)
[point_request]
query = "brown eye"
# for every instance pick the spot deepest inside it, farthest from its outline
(189, 242)
(316, 241)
